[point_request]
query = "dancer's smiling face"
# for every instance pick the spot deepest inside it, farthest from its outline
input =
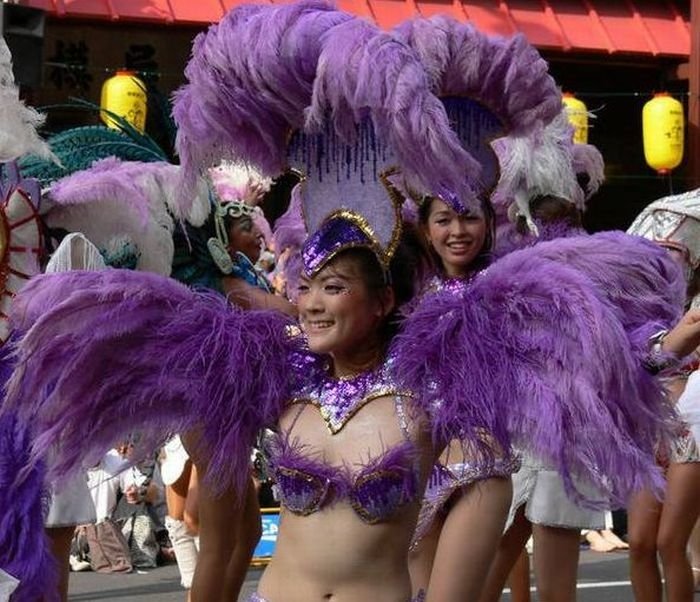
(341, 310)
(457, 239)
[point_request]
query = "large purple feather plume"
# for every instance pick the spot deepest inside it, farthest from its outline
(25, 552)
(363, 72)
(249, 80)
(637, 277)
(252, 77)
(288, 238)
(177, 360)
(507, 75)
(536, 352)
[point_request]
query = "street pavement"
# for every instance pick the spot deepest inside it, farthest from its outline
(602, 578)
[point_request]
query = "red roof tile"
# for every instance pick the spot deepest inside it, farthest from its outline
(654, 27)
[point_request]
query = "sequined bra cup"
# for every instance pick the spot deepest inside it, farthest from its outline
(375, 489)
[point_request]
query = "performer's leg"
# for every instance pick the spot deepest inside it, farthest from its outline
(694, 548)
(507, 555)
(60, 538)
(556, 562)
(643, 515)
(519, 579)
(220, 518)
(678, 517)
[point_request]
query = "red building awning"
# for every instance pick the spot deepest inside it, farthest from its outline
(652, 27)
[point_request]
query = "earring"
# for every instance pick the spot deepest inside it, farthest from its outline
(220, 255)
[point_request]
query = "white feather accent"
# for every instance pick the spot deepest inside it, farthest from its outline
(232, 180)
(108, 215)
(540, 163)
(18, 122)
(75, 253)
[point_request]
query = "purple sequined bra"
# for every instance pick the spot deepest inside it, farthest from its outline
(375, 489)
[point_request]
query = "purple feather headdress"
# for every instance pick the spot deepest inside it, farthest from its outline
(358, 100)
(491, 87)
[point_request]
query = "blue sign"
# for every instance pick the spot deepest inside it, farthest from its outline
(270, 526)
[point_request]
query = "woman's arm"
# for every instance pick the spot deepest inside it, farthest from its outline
(249, 297)
(191, 512)
(684, 338)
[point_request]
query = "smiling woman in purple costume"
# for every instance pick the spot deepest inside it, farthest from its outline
(462, 497)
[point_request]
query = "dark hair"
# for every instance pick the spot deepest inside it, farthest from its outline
(550, 209)
(405, 273)
(484, 257)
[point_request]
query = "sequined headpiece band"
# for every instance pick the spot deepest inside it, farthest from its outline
(673, 221)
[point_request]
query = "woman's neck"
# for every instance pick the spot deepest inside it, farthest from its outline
(346, 365)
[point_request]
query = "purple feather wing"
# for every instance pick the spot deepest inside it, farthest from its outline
(538, 354)
(25, 552)
(108, 354)
(24, 548)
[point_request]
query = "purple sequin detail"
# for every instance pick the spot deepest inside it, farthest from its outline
(339, 398)
(306, 484)
(445, 480)
(303, 493)
(375, 492)
(455, 286)
(385, 484)
(332, 237)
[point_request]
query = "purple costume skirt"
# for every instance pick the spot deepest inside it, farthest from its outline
(255, 597)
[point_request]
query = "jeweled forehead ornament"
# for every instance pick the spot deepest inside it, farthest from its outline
(674, 222)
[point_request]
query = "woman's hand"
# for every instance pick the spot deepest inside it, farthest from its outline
(685, 336)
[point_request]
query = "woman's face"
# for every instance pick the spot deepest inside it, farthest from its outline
(680, 256)
(245, 237)
(338, 312)
(456, 238)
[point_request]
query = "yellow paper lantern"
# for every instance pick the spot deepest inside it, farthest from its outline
(663, 125)
(578, 117)
(125, 95)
